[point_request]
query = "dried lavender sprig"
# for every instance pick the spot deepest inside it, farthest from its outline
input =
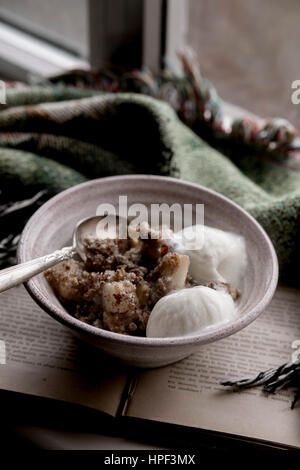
(19, 205)
(286, 375)
(13, 216)
(8, 248)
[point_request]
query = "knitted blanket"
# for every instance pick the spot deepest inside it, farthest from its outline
(56, 136)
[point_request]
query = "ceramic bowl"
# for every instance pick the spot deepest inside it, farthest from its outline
(51, 227)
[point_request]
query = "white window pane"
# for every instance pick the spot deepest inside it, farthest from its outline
(63, 22)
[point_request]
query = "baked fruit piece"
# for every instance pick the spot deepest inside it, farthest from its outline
(118, 285)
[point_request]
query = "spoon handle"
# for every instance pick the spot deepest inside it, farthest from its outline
(11, 277)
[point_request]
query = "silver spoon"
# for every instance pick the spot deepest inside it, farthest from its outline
(15, 275)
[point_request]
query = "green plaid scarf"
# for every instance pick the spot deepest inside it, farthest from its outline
(53, 137)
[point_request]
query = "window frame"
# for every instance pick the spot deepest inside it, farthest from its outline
(163, 24)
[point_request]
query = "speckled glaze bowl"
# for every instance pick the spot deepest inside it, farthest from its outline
(51, 228)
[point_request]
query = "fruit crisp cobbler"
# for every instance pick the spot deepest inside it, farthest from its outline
(121, 281)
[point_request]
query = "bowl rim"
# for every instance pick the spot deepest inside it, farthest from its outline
(205, 336)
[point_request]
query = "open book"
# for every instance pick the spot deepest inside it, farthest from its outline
(41, 357)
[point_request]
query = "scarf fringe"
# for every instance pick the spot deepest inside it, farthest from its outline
(273, 380)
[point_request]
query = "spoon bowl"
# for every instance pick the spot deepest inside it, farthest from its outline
(15, 275)
(86, 227)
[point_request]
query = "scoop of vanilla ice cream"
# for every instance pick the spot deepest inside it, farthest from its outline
(188, 311)
(215, 255)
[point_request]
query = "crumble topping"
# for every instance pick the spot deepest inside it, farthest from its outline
(121, 281)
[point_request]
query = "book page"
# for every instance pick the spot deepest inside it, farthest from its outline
(41, 357)
(189, 392)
